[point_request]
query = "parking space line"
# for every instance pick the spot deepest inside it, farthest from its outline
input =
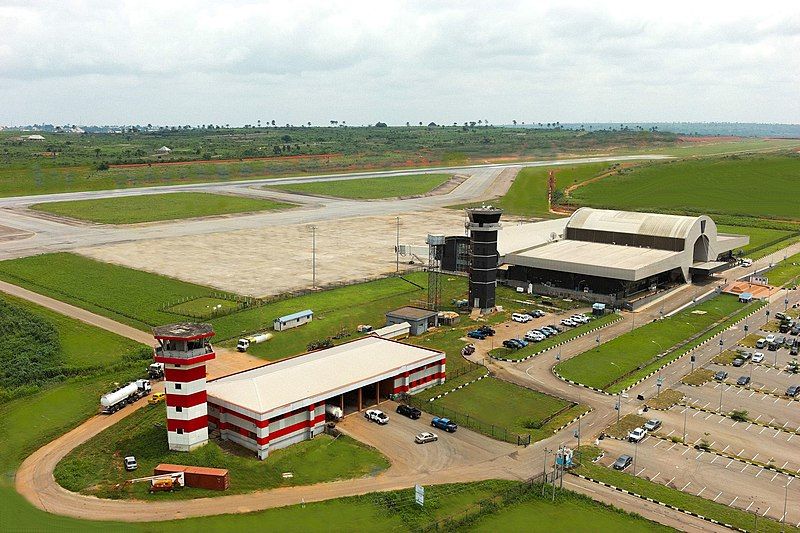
(658, 441)
(759, 416)
(749, 506)
(671, 432)
(754, 457)
(709, 416)
(748, 427)
(740, 453)
(687, 484)
(714, 459)
(696, 413)
(784, 425)
(734, 423)
(716, 497)
(734, 500)
(762, 430)
(654, 477)
(720, 420)
(699, 456)
(673, 445)
(683, 410)
(771, 421)
(784, 464)
(726, 447)
(764, 397)
(773, 477)
(790, 437)
(777, 431)
(790, 403)
(686, 450)
(729, 388)
(712, 444)
(670, 481)
(759, 472)
(765, 512)
(640, 472)
(745, 468)
(701, 491)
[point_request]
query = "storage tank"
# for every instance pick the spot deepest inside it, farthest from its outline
(113, 398)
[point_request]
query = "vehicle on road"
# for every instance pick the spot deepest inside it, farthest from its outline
(119, 398)
(130, 463)
(738, 362)
(623, 462)
(637, 435)
(758, 357)
(156, 397)
(652, 425)
(377, 416)
(426, 436)
(519, 317)
(475, 334)
(743, 381)
(721, 375)
(793, 391)
(245, 342)
(444, 423)
(407, 410)
(761, 343)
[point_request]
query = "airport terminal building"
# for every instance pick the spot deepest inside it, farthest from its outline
(615, 255)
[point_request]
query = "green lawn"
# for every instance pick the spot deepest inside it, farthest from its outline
(703, 185)
(637, 350)
(785, 272)
(567, 335)
(569, 513)
(95, 468)
(723, 513)
(502, 410)
(760, 239)
(154, 207)
(370, 188)
(527, 196)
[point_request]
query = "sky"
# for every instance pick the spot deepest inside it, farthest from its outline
(169, 62)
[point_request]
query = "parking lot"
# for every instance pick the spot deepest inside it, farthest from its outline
(763, 407)
(741, 439)
(516, 330)
(763, 378)
(727, 481)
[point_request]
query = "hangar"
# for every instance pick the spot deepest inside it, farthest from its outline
(614, 256)
(278, 404)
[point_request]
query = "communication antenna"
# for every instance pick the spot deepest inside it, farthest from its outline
(435, 252)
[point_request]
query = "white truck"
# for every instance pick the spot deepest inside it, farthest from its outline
(119, 398)
(245, 342)
(156, 370)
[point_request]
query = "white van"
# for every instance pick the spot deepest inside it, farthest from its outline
(518, 317)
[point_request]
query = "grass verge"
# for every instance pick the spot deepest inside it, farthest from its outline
(698, 377)
(626, 424)
(370, 188)
(665, 400)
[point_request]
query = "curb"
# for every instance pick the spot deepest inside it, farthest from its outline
(573, 420)
(647, 498)
(793, 431)
(507, 360)
(486, 375)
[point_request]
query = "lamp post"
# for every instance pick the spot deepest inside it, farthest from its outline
(685, 416)
(397, 245)
(313, 257)
(721, 388)
(635, 453)
(785, 499)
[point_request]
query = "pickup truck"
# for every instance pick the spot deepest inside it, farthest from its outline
(444, 424)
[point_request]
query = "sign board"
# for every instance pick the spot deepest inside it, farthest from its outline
(419, 495)
(759, 280)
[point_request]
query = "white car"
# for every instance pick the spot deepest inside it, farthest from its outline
(758, 357)
(426, 436)
(770, 338)
(569, 322)
(130, 463)
(580, 319)
(519, 317)
(375, 415)
(637, 435)
(534, 336)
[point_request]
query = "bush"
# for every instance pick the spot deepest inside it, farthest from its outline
(103, 166)
(739, 416)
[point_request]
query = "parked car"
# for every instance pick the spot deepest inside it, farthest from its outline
(793, 391)
(758, 357)
(795, 348)
(426, 436)
(547, 330)
(721, 375)
(773, 346)
(770, 338)
(510, 344)
(407, 410)
(486, 330)
(536, 313)
(761, 343)
(744, 354)
(519, 317)
(444, 423)
(780, 341)
(523, 342)
(637, 435)
(743, 381)
(795, 329)
(555, 328)
(569, 322)
(377, 416)
(469, 349)
(156, 397)
(738, 362)
(623, 462)
(534, 336)
(475, 334)
(130, 463)
(652, 425)
(780, 316)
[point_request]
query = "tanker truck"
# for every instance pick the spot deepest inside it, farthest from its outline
(119, 398)
(244, 343)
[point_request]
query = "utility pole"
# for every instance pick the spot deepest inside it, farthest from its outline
(721, 388)
(619, 406)
(544, 471)
(785, 499)
(397, 245)
(635, 454)
(313, 257)
(685, 415)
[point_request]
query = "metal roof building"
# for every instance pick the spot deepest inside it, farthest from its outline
(282, 403)
(619, 254)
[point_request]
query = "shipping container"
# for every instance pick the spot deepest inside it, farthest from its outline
(199, 477)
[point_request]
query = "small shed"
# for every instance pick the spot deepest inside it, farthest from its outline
(598, 309)
(419, 319)
(746, 297)
(164, 150)
(292, 321)
(199, 477)
(394, 332)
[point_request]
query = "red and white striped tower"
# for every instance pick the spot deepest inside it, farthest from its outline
(184, 350)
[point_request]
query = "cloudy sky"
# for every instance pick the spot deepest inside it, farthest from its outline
(169, 62)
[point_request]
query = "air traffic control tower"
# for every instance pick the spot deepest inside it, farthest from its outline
(484, 222)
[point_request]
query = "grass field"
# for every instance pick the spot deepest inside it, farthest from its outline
(635, 351)
(786, 272)
(705, 185)
(763, 241)
(484, 406)
(95, 467)
(370, 188)
(723, 513)
(527, 196)
(154, 207)
(567, 335)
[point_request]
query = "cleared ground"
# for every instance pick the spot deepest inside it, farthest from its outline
(371, 189)
(274, 260)
(786, 272)
(703, 185)
(155, 207)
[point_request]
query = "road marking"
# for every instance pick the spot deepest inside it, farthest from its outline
(686, 450)
(696, 413)
(684, 410)
(687, 484)
(654, 477)
(762, 430)
(734, 499)
(670, 481)
(673, 445)
(701, 491)
(699, 456)
(673, 431)
(749, 506)
(734, 423)
(717, 496)
(640, 472)
(714, 459)
(745, 468)
(709, 416)
(765, 512)
(726, 447)
(759, 472)
(748, 427)
(784, 464)
(712, 444)
(759, 416)
(790, 437)
(764, 397)
(773, 477)
(770, 422)
(741, 452)
(738, 392)
(754, 457)
(790, 403)
(786, 424)
(658, 441)
(776, 433)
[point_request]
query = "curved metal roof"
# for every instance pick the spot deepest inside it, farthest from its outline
(654, 224)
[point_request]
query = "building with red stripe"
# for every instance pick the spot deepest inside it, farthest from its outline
(279, 404)
(184, 349)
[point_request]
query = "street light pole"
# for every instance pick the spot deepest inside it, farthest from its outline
(313, 257)
(544, 471)
(397, 245)
(685, 415)
(721, 388)
(635, 454)
(785, 499)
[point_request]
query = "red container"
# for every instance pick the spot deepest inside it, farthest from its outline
(198, 476)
